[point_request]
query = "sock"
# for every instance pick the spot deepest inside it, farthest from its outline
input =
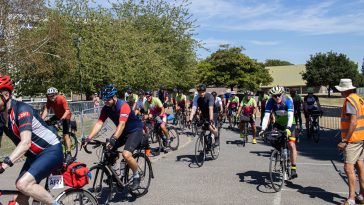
(293, 167)
(136, 174)
(351, 201)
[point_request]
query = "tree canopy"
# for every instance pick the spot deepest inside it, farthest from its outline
(228, 66)
(326, 69)
(276, 62)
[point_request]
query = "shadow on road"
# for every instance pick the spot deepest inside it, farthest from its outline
(191, 159)
(316, 192)
(235, 142)
(257, 178)
(262, 153)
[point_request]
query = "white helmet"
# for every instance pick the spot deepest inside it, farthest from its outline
(276, 90)
(52, 91)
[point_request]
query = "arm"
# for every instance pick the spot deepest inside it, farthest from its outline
(119, 129)
(45, 112)
(96, 128)
(353, 124)
(23, 146)
(66, 113)
(211, 113)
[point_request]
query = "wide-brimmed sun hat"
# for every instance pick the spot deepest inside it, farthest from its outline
(345, 84)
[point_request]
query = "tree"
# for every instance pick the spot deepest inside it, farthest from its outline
(230, 67)
(362, 68)
(276, 62)
(326, 69)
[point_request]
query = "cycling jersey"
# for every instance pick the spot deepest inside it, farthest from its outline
(180, 99)
(132, 98)
(23, 117)
(155, 106)
(263, 100)
(248, 106)
(121, 111)
(59, 106)
(217, 104)
(280, 110)
(234, 102)
(297, 102)
(310, 101)
(204, 103)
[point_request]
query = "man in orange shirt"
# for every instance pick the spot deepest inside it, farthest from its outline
(58, 103)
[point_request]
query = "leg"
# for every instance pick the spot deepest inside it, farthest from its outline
(360, 166)
(130, 160)
(27, 185)
(349, 170)
(241, 127)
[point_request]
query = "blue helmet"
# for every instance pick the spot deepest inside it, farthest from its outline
(108, 92)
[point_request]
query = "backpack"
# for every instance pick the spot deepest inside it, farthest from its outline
(76, 175)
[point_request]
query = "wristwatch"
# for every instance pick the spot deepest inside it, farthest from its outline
(8, 161)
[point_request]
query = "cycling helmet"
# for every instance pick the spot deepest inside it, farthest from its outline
(201, 87)
(108, 92)
(175, 90)
(248, 93)
(129, 90)
(214, 93)
(141, 92)
(6, 83)
(309, 90)
(276, 90)
(148, 92)
(52, 91)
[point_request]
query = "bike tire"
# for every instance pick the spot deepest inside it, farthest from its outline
(200, 151)
(101, 184)
(276, 171)
(74, 147)
(76, 197)
(316, 133)
(215, 147)
(145, 172)
(157, 148)
(174, 138)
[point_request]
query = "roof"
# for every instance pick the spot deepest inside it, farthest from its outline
(287, 76)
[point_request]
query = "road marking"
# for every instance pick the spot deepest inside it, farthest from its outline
(277, 198)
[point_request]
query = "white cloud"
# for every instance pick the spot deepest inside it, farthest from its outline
(264, 43)
(327, 17)
(212, 42)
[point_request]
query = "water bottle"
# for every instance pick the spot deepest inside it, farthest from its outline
(122, 168)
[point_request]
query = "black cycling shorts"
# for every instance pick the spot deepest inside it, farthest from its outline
(65, 124)
(131, 141)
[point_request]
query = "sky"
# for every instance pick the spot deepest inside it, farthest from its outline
(290, 30)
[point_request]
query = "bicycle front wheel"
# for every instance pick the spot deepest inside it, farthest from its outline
(316, 132)
(215, 147)
(145, 172)
(74, 146)
(174, 138)
(101, 184)
(76, 197)
(276, 171)
(200, 151)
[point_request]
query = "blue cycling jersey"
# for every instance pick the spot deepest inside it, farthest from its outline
(280, 110)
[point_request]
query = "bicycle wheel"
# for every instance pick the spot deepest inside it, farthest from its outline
(276, 171)
(174, 138)
(182, 123)
(215, 147)
(74, 146)
(246, 133)
(156, 148)
(76, 197)
(101, 184)
(316, 132)
(200, 151)
(145, 172)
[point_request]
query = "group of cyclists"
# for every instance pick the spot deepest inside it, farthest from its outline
(39, 143)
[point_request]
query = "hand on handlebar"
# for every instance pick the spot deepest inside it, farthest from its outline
(85, 141)
(111, 142)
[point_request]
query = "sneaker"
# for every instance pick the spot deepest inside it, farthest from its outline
(69, 158)
(359, 199)
(293, 174)
(254, 141)
(135, 184)
(349, 202)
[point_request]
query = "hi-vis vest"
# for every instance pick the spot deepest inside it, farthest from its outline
(358, 103)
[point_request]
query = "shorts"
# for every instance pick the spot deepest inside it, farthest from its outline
(243, 119)
(43, 164)
(354, 152)
(65, 125)
(292, 138)
(131, 141)
(309, 111)
(162, 119)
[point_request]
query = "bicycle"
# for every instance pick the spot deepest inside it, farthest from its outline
(204, 145)
(159, 137)
(70, 196)
(313, 127)
(246, 121)
(57, 125)
(279, 165)
(180, 119)
(234, 118)
(105, 177)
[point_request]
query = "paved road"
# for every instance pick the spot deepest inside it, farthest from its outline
(238, 176)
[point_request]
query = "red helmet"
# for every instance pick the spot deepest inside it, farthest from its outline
(6, 83)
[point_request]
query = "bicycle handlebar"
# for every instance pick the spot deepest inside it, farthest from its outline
(96, 143)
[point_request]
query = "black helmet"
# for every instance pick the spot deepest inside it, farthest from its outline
(201, 87)
(141, 92)
(148, 92)
(214, 94)
(129, 90)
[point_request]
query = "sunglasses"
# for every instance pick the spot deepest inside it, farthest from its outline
(277, 96)
(148, 96)
(51, 96)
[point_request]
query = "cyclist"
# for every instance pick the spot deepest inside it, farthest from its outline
(310, 103)
(34, 140)
(248, 106)
(132, 98)
(297, 103)
(129, 128)
(139, 107)
(163, 96)
(232, 105)
(262, 100)
(205, 102)
(218, 109)
(179, 101)
(155, 109)
(59, 105)
(282, 107)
